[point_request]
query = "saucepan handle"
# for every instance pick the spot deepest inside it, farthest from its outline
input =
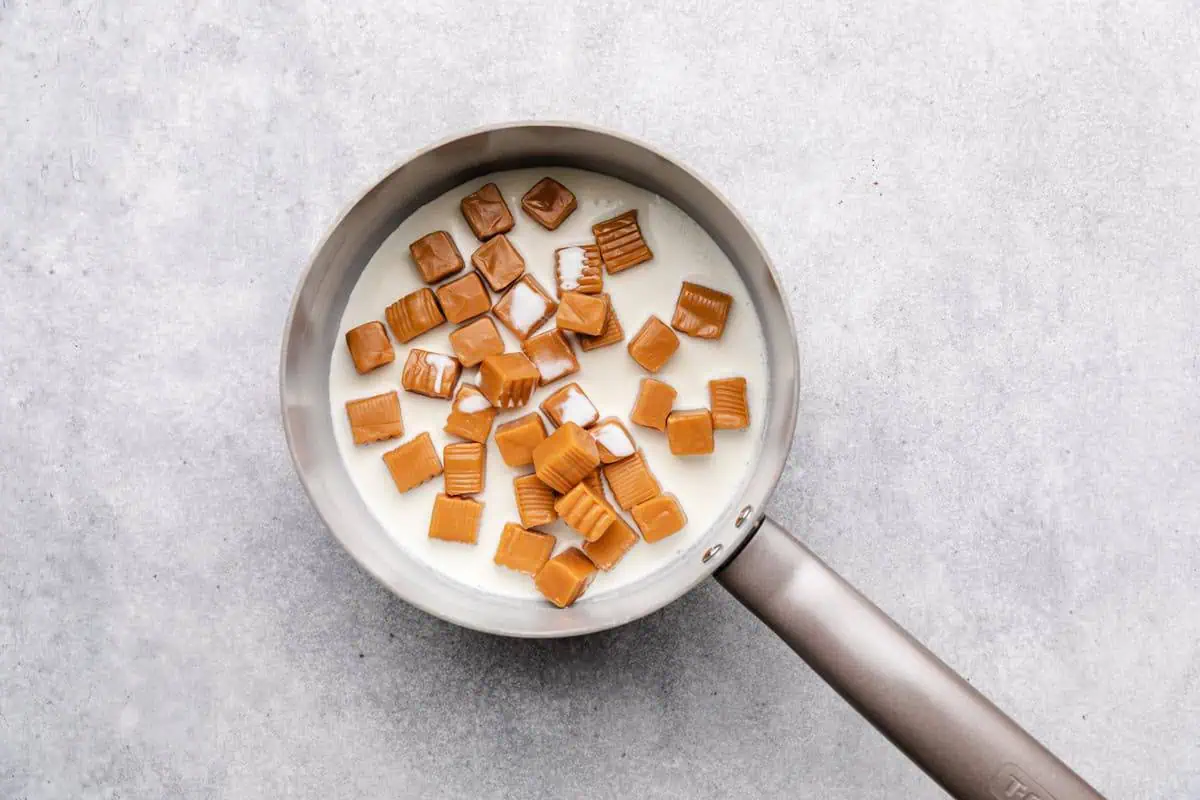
(949, 729)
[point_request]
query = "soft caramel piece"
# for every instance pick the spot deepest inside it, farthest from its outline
(564, 578)
(593, 482)
(611, 334)
(523, 550)
(631, 481)
(579, 269)
(653, 345)
(585, 512)
(471, 415)
(455, 519)
(700, 311)
(464, 466)
(612, 440)
(499, 262)
(549, 203)
(486, 212)
(535, 501)
(430, 374)
(654, 402)
(517, 439)
(525, 307)
(565, 458)
(369, 347)
(373, 419)
(436, 256)
(508, 380)
(552, 354)
(727, 401)
(659, 517)
(570, 404)
(612, 545)
(463, 298)
(621, 243)
(475, 341)
(690, 433)
(414, 314)
(582, 313)
(413, 462)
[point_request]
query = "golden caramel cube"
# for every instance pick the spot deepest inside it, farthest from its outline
(611, 334)
(593, 482)
(430, 374)
(690, 433)
(499, 262)
(551, 353)
(414, 314)
(727, 401)
(464, 466)
(582, 313)
(578, 269)
(518, 439)
(549, 203)
(413, 462)
(565, 458)
(585, 512)
(508, 380)
(535, 501)
(653, 345)
(475, 341)
(523, 550)
(369, 347)
(455, 519)
(463, 298)
(436, 256)
(612, 545)
(525, 307)
(654, 402)
(612, 440)
(564, 578)
(570, 404)
(373, 419)
(659, 517)
(486, 212)
(701, 311)
(631, 481)
(621, 243)
(471, 415)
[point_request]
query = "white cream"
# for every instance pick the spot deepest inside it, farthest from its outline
(614, 439)
(443, 368)
(704, 485)
(527, 307)
(471, 403)
(577, 408)
(553, 368)
(571, 261)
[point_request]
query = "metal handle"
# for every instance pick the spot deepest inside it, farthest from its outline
(935, 717)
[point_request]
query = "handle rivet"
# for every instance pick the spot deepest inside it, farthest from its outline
(711, 552)
(742, 517)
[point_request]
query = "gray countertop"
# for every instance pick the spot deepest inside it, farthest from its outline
(987, 216)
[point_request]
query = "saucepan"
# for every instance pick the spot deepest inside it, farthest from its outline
(948, 728)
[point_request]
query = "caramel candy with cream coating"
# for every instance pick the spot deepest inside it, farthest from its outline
(455, 519)
(523, 550)
(659, 517)
(535, 501)
(430, 374)
(436, 256)
(653, 345)
(508, 380)
(374, 419)
(585, 512)
(631, 481)
(475, 341)
(498, 262)
(471, 415)
(525, 307)
(414, 314)
(551, 353)
(486, 212)
(565, 458)
(413, 462)
(464, 467)
(612, 440)
(578, 269)
(369, 347)
(564, 578)
(582, 313)
(727, 401)
(612, 545)
(463, 298)
(701, 311)
(549, 203)
(570, 404)
(654, 402)
(621, 243)
(690, 433)
(611, 334)
(516, 440)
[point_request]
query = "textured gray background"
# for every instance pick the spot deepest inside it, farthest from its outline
(988, 220)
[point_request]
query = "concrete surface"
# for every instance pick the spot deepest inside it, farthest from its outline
(988, 218)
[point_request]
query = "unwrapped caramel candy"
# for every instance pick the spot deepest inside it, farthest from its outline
(690, 433)
(455, 519)
(414, 314)
(471, 415)
(549, 203)
(611, 333)
(508, 380)
(579, 269)
(727, 401)
(413, 462)
(475, 341)
(564, 578)
(374, 419)
(593, 482)
(436, 256)
(621, 243)
(464, 466)
(585, 512)
(653, 404)
(612, 545)
(570, 404)
(499, 262)
(535, 501)
(486, 212)
(612, 440)
(516, 440)
(523, 550)
(700, 311)
(659, 517)
(631, 481)
(430, 374)
(565, 458)
(551, 353)
(582, 313)
(463, 298)
(524, 308)
(369, 347)
(653, 345)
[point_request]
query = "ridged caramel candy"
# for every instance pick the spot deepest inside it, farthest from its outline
(463, 298)
(413, 462)
(585, 512)
(516, 440)
(475, 341)
(593, 482)
(430, 374)
(464, 468)
(565, 457)
(612, 545)
(631, 481)
(436, 256)
(486, 212)
(653, 404)
(549, 203)
(612, 332)
(701, 311)
(621, 243)
(524, 308)
(369, 347)
(499, 262)
(613, 440)
(535, 501)
(523, 550)
(727, 401)
(508, 380)
(582, 313)
(570, 404)
(414, 314)
(455, 519)
(471, 415)
(690, 433)
(564, 578)
(374, 419)
(551, 353)
(653, 345)
(659, 517)
(579, 269)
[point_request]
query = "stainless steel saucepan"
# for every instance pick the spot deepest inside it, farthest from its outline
(949, 729)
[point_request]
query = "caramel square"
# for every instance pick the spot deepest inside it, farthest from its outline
(653, 345)
(413, 462)
(727, 401)
(374, 419)
(525, 307)
(654, 402)
(486, 212)
(455, 519)
(549, 203)
(535, 501)
(516, 440)
(612, 440)
(585, 512)
(631, 481)
(523, 550)
(464, 466)
(508, 380)
(463, 298)
(700, 311)
(611, 334)
(475, 341)
(564, 578)
(612, 545)
(471, 415)
(430, 374)
(499, 262)
(690, 433)
(565, 458)
(436, 256)
(369, 347)
(659, 517)
(578, 269)
(414, 314)
(570, 404)
(552, 354)
(621, 243)
(582, 313)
